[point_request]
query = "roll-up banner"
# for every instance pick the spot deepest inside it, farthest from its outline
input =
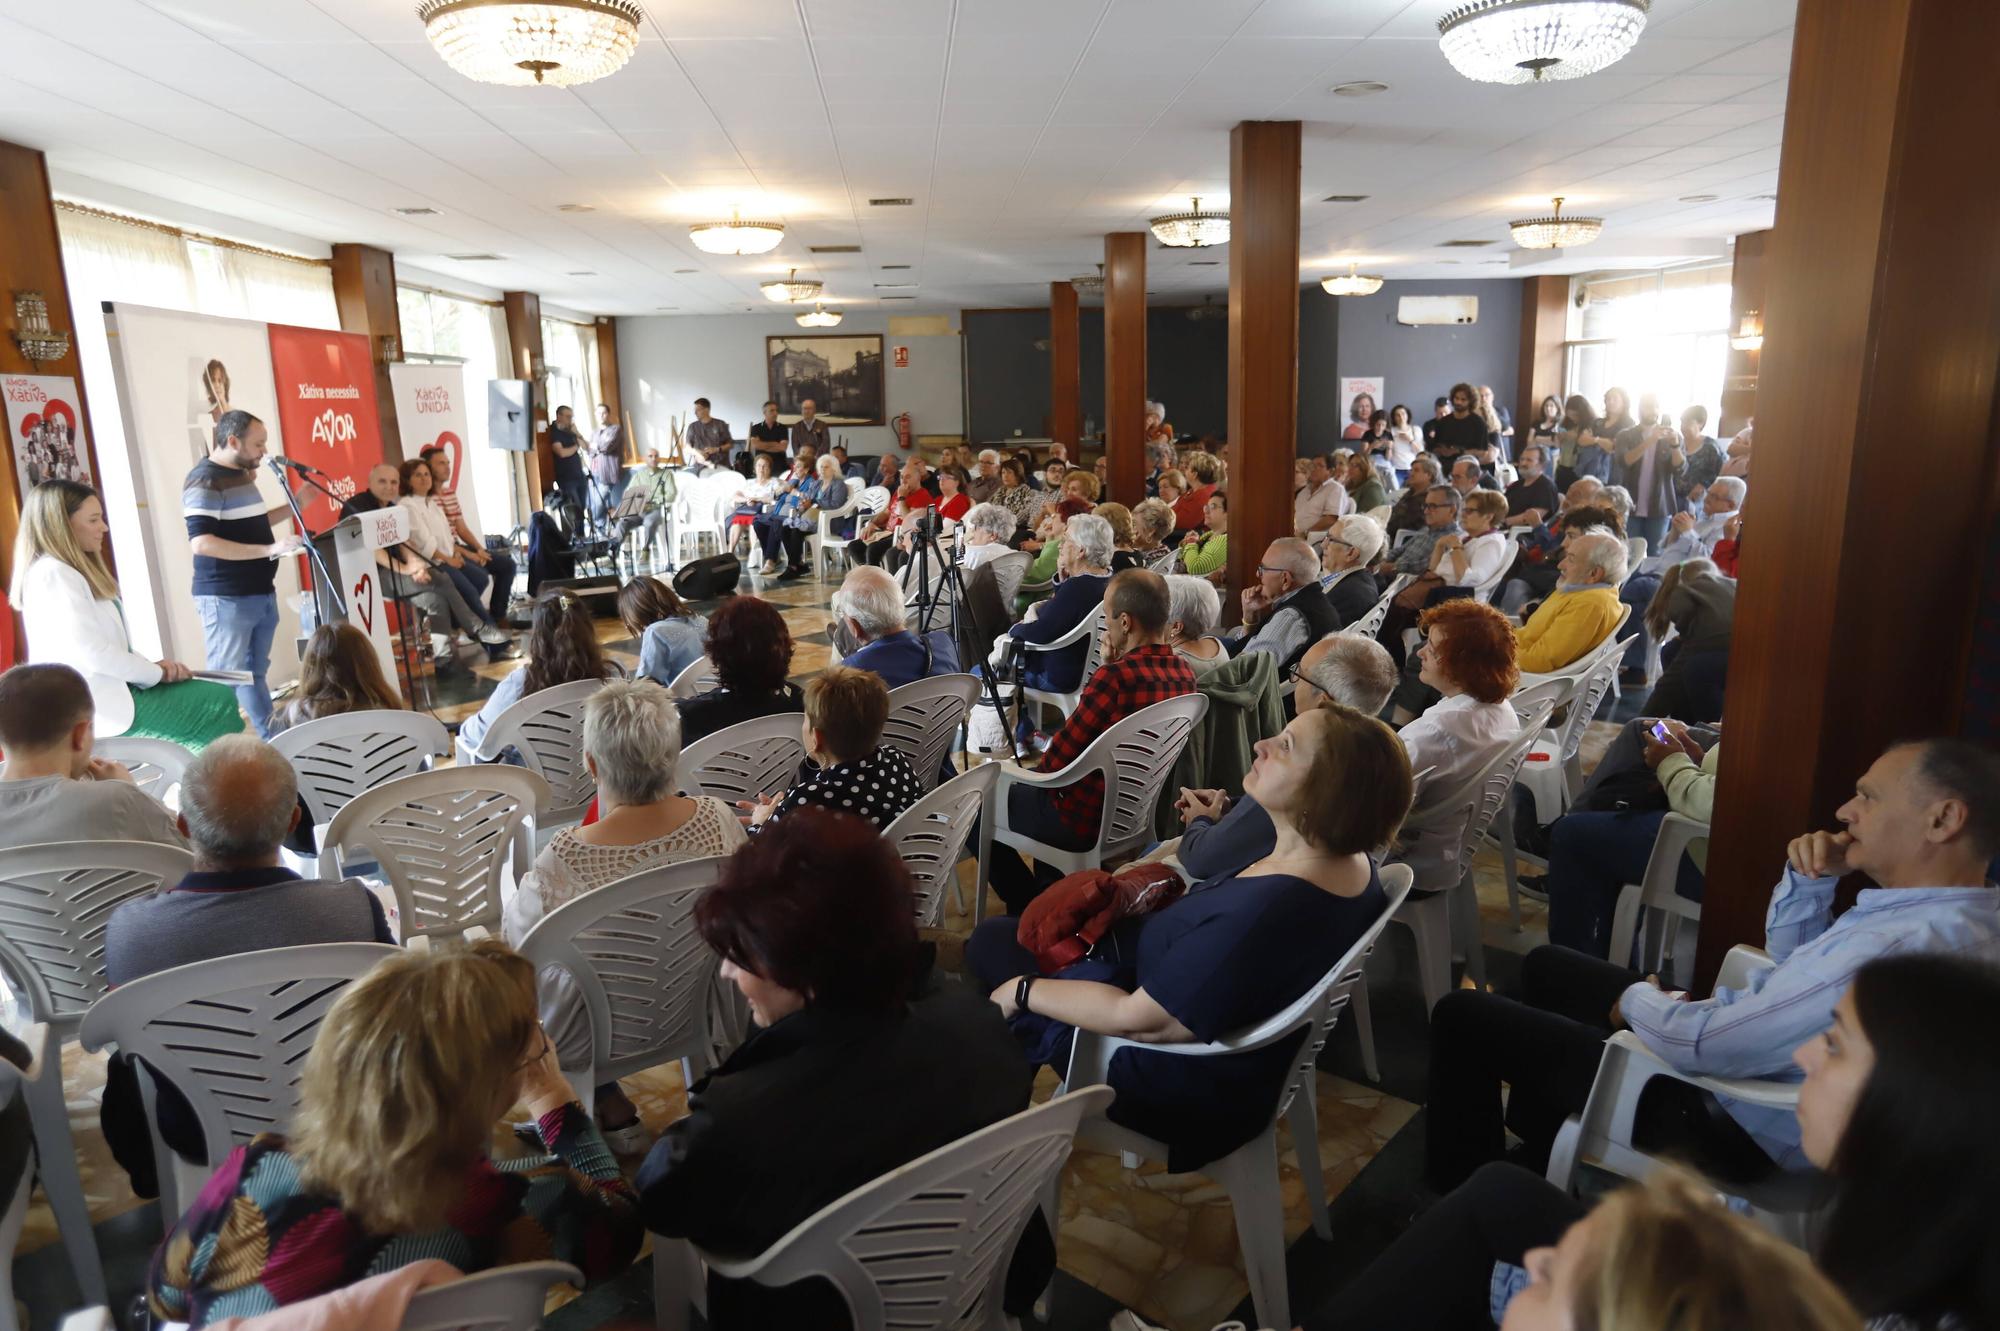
(431, 413)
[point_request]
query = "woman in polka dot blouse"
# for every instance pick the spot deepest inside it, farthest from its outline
(848, 768)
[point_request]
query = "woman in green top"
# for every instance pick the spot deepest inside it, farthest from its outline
(1206, 556)
(69, 603)
(1364, 487)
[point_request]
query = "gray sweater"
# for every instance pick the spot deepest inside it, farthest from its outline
(55, 808)
(249, 910)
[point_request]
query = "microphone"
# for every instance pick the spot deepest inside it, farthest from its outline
(281, 461)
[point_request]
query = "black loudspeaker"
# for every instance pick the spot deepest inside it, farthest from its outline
(706, 579)
(599, 592)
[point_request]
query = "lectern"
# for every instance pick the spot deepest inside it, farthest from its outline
(347, 550)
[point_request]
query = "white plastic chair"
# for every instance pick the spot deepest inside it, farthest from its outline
(1556, 691)
(54, 903)
(1602, 1136)
(1443, 913)
(644, 973)
(157, 765)
(697, 676)
(1090, 629)
(822, 542)
(546, 729)
(444, 840)
(923, 1248)
(760, 756)
(1134, 756)
(931, 836)
(1370, 624)
(231, 1034)
(1669, 920)
(1008, 571)
(13, 1206)
(1250, 1173)
(506, 1298)
(337, 757)
(924, 715)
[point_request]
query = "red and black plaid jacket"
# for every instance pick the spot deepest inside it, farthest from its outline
(1140, 678)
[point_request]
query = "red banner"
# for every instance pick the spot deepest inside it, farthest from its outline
(327, 414)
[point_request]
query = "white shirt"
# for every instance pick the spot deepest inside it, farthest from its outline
(1695, 543)
(67, 625)
(430, 526)
(1402, 446)
(1487, 556)
(1456, 738)
(1328, 501)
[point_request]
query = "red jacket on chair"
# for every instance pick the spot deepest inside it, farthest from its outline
(1062, 924)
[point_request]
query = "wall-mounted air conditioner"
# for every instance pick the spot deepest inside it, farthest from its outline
(1427, 311)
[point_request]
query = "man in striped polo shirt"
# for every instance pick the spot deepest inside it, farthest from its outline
(236, 558)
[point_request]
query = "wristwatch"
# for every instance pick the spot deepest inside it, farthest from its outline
(1021, 988)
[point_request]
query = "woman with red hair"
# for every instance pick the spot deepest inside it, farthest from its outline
(1468, 657)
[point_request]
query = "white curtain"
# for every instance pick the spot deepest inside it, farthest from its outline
(244, 285)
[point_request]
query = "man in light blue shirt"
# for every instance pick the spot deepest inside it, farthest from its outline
(1923, 824)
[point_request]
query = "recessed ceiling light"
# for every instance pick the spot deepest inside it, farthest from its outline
(1464, 244)
(895, 268)
(473, 258)
(667, 307)
(1765, 198)
(575, 208)
(895, 286)
(1204, 263)
(583, 273)
(890, 203)
(1358, 88)
(1344, 198)
(687, 270)
(417, 212)
(1699, 198)
(899, 298)
(834, 249)
(1451, 261)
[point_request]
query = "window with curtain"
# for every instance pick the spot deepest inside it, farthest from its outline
(1664, 333)
(570, 352)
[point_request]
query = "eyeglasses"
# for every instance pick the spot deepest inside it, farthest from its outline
(1438, 507)
(1266, 568)
(1298, 679)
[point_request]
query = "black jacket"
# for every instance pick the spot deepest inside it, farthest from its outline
(1353, 596)
(718, 709)
(809, 1109)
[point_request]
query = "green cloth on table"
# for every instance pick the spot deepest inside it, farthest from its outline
(191, 713)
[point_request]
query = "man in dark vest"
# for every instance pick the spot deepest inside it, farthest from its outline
(1284, 611)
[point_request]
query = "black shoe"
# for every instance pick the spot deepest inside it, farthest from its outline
(795, 571)
(1534, 886)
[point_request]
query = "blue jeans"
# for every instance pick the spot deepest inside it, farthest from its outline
(236, 632)
(1653, 529)
(499, 572)
(1592, 856)
(1638, 593)
(470, 579)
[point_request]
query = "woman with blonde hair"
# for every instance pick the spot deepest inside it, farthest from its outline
(70, 605)
(388, 1162)
(338, 673)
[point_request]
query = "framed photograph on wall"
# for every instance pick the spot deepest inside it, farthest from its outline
(840, 373)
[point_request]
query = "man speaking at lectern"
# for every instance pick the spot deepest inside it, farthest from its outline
(236, 558)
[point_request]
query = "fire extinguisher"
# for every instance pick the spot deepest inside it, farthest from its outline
(903, 429)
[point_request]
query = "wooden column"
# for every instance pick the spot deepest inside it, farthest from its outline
(1124, 363)
(1544, 325)
(1746, 296)
(1263, 342)
(31, 260)
(1882, 330)
(364, 291)
(607, 382)
(1065, 368)
(524, 350)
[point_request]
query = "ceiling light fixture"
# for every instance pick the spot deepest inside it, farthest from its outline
(1353, 284)
(1699, 198)
(522, 43)
(1555, 232)
(819, 317)
(1749, 335)
(1192, 230)
(793, 288)
(1358, 88)
(1539, 41)
(1089, 284)
(736, 236)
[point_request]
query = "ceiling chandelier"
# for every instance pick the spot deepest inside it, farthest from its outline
(1192, 230)
(736, 236)
(1555, 232)
(819, 317)
(1538, 41)
(1353, 284)
(527, 42)
(1089, 284)
(791, 289)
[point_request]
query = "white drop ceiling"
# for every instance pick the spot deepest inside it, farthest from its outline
(1023, 130)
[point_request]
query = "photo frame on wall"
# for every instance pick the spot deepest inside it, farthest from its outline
(840, 373)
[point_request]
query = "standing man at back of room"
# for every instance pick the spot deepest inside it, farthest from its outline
(236, 558)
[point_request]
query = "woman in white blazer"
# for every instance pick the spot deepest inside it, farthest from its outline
(69, 601)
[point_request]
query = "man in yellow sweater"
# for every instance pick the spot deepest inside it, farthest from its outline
(1582, 609)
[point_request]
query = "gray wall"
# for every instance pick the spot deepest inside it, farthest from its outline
(1416, 365)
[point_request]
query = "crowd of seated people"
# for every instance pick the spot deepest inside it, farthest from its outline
(812, 917)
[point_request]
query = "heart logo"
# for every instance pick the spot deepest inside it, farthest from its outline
(449, 443)
(30, 423)
(364, 602)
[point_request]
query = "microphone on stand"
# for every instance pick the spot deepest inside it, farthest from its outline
(301, 467)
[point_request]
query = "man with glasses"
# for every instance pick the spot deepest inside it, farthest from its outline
(1284, 611)
(1442, 505)
(1225, 836)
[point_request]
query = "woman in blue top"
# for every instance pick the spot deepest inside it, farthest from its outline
(670, 634)
(1229, 954)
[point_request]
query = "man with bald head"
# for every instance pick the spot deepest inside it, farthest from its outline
(1224, 836)
(405, 577)
(1284, 610)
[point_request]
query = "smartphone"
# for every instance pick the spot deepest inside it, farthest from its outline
(1660, 732)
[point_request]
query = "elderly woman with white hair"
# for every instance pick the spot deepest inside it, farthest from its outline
(632, 746)
(1194, 606)
(797, 514)
(1583, 608)
(1152, 524)
(1352, 545)
(985, 535)
(871, 626)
